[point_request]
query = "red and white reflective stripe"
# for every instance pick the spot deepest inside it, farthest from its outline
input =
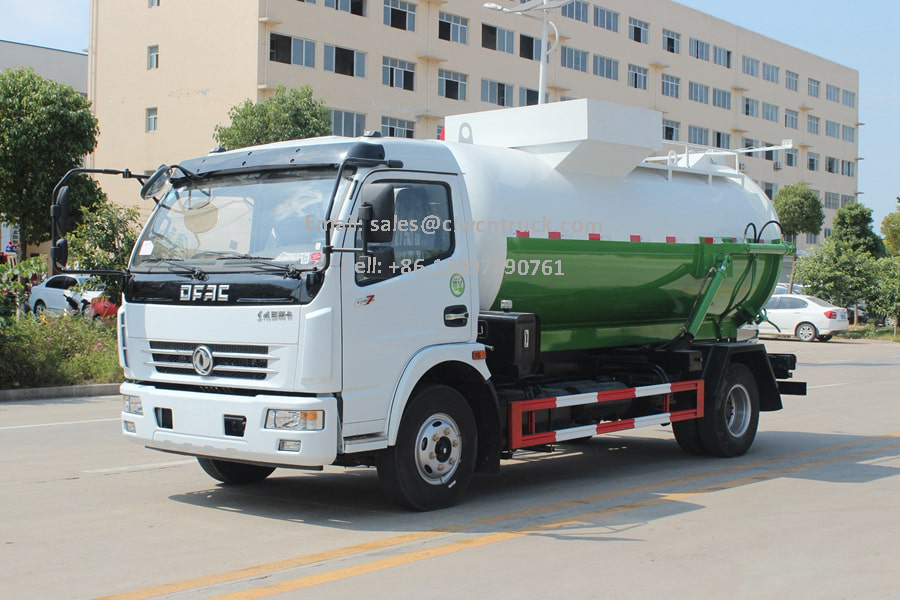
(522, 427)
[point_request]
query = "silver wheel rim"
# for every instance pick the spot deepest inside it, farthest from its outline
(737, 410)
(438, 448)
(806, 332)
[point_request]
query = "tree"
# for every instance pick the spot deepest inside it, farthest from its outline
(104, 241)
(799, 211)
(886, 300)
(853, 224)
(838, 272)
(890, 229)
(46, 128)
(285, 116)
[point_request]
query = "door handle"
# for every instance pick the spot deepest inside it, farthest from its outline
(456, 316)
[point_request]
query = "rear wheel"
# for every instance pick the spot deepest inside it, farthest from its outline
(729, 425)
(432, 462)
(39, 307)
(807, 332)
(232, 472)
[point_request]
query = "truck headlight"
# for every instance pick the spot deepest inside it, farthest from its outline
(132, 405)
(297, 420)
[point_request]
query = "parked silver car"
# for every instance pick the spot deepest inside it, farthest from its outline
(56, 294)
(805, 317)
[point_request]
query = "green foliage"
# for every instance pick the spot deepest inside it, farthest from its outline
(799, 210)
(46, 128)
(12, 286)
(886, 300)
(54, 351)
(837, 272)
(890, 229)
(287, 115)
(104, 241)
(853, 225)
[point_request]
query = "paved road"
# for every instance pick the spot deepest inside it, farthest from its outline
(812, 511)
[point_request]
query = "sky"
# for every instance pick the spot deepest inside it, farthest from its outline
(860, 35)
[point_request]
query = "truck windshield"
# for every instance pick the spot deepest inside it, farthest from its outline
(226, 222)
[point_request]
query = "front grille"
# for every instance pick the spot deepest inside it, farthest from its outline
(236, 361)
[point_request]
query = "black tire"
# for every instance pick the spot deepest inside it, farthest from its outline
(232, 472)
(732, 415)
(687, 434)
(807, 332)
(825, 338)
(432, 462)
(39, 307)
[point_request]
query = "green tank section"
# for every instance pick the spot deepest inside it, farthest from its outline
(601, 294)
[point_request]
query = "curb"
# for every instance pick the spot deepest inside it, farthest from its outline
(71, 391)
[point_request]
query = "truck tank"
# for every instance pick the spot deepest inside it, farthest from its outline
(630, 250)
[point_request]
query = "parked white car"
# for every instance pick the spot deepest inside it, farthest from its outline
(805, 317)
(56, 294)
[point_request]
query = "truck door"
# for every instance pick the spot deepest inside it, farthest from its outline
(424, 297)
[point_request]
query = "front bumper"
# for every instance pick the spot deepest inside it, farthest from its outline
(196, 425)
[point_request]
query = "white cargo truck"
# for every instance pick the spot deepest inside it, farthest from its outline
(431, 307)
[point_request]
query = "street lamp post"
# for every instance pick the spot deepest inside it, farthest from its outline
(545, 6)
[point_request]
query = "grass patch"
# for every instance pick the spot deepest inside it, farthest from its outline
(54, 351)
(869, 332)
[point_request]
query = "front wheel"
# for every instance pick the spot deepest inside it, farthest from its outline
(807, 332)
(39, 307)
(233, 472)
(732, 416)
(432, 462)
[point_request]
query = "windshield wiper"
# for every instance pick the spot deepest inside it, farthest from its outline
(290, 271)
(192, 272)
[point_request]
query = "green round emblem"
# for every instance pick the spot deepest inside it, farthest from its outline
(457, 285)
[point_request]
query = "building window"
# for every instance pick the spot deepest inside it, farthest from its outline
(827, 233)
(346, 123)
(751, 107)
(280, 48)
(770, 72)
(750, 143)
(577, 10)
(845, 200)
(848, 134)
(791, 118)
(606, 19)
(496, 38)
(832, 129)
(832, 200)
(670, 86)
(354, 7)
(398, 73)
(769, 189)
(812, 124)
(769, 154)
(813, 87)
(152, 3)
(722, 56)
(639, 31)
(151, 120)
(527, 96)
(637, 77)
(345, 61)
(791, 80)
(573, 58)
(391, 127)
(670, 130)
(832, 92)
(849, 98)
(812, 161)
(529, 47)
(751, 66)
(152, 57)
(698, 92)
(790, 157)
(288, 50)
(452, 85)
(453, 28)
(721, 139)
(496, 92)
(848, 168)
(671, 41)
(812, 238)
(770, 112)
(698, 135)
(722, 98)
(699, 49)
(831, 164)
(400, 15)
(606, 67)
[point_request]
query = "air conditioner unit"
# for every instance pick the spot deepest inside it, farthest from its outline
(743, 167)
(778, 165)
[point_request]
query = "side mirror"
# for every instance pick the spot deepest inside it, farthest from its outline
(60, 211)
(59, 254)
(377, 203)
(156, 182)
